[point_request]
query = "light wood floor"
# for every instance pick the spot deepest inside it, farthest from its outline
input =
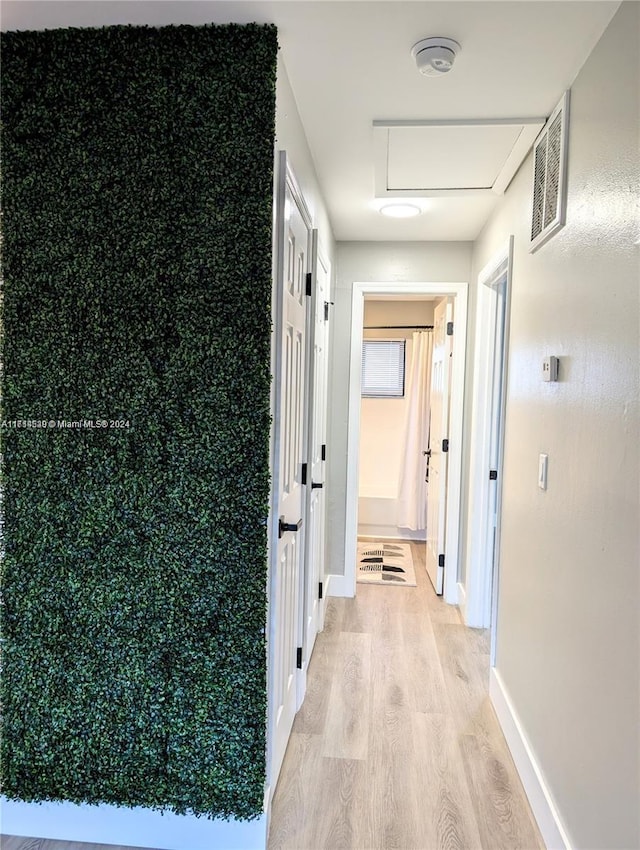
(9, 842)
(396, 746)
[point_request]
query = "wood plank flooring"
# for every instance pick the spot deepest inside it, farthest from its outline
(12, 842)
(396, 746)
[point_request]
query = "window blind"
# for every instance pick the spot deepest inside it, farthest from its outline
(383, 368)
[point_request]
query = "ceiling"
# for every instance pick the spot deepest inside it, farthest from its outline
(349, 65)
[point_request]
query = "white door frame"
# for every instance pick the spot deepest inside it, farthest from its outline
(439, 428)
(460, 292)
(494, 282)
(322, 265)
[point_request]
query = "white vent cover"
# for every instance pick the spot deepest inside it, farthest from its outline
(550, 176)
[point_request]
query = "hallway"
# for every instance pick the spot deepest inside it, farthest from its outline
(396, 744)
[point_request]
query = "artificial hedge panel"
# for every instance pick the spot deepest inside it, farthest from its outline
(137, 196)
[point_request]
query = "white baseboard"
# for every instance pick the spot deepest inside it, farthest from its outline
(301, 687)
(535, 786)
(390, 532)
(337, 585)
(267, 810)
(130, 827)
(462, 602)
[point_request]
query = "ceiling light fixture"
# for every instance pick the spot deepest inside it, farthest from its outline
(435, 56)
(400, 209)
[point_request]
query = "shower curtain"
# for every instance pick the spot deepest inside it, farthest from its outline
(412, 487)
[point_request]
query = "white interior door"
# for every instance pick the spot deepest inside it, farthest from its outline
(315, 470)
(288, 533)
(438, 443)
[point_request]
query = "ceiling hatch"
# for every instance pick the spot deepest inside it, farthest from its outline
(436, 158)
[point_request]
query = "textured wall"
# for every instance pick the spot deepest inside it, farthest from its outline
(568, 612)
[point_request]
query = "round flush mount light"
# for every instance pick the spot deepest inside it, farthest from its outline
(400, 209)
(435, 56)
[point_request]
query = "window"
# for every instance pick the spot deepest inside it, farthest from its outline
(383, 368)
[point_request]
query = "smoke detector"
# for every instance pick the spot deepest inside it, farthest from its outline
(435, 56)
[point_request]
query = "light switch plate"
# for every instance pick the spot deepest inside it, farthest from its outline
(542, 471)
(550, 366)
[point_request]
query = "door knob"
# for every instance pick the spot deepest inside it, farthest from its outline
(288, 526)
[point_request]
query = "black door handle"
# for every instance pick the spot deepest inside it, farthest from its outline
(316, 485)
(288, 526)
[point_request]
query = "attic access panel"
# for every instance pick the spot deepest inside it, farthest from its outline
(423, 158)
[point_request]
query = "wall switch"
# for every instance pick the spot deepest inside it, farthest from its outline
(550, 367)
(542, 471)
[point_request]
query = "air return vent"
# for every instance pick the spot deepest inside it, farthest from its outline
(550, 176)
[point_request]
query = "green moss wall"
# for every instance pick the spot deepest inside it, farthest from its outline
(137, 197)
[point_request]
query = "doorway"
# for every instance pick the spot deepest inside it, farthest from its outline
(394, 426)
(458, 292)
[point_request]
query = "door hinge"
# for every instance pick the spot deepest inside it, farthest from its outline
(304, 473)
(309, 283)
(441, 560)
(299, 658)
(449, 328)
(445, 445)
(323, 454)
(493, 475)
(320, 590)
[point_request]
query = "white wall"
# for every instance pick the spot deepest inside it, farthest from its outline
(398, 262)
(290, 137)
(568, 619)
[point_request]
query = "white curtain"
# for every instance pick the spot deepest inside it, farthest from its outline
(412, 487)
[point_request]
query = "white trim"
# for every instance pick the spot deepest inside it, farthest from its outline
(323, 261)
(279, 190)
(301, 685)
(544, 810)
(137, 827)
(266, 808)
(459, 122)
(389, 532)
(338, 585)
(327, 585)
(462, 601)
(452, 548)
(456, 422)
(493, 585)
(480, 565)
